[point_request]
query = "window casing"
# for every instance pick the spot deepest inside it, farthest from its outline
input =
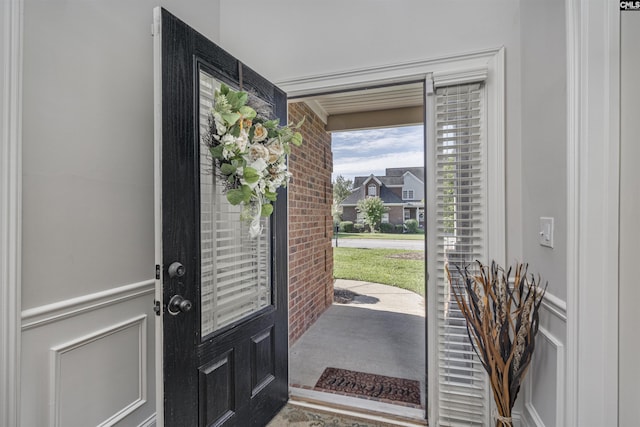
(407, 194)
(372, 190)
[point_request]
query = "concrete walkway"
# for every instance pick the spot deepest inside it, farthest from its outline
(381, 332)
(417, 245)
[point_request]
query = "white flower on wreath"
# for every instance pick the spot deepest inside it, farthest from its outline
(228, 142)
(242, 141)
(259, 133)
(276, 151)
(258, 151)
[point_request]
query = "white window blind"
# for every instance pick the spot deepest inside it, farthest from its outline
(463, 395)
(235, 268)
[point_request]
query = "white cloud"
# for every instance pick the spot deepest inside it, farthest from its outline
(358, 166)
(391, 139)
(361, 153)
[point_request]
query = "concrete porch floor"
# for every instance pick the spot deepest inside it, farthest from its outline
(381, 332)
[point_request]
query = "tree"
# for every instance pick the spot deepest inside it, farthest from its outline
(341, 189)
(372, 208)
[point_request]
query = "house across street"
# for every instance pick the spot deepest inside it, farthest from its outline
(400, 189)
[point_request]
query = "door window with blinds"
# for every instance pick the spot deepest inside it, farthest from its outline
(460, 162)
(234, 268)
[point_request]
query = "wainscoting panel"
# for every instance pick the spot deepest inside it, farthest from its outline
(105, 391)
(544, 390)
(90, 361)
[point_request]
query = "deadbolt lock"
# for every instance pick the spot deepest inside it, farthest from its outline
(176, 270)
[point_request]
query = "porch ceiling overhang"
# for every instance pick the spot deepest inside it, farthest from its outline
(369, 107)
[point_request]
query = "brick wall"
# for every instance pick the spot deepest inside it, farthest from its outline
(310, 223)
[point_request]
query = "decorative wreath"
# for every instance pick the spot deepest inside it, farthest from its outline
(249, 153)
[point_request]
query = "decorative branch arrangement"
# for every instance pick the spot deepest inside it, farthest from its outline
(502, 322)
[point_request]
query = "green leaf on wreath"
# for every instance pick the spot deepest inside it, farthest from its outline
(216, 151)
(267, 209)
(227, 169)
(271, 124)
(237, 99)
(230, 118)
(242, 99)
(297, 139)
(247, 112)
(270, 196)
(251, 175)
(235, 196)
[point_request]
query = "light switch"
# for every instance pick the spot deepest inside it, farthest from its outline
(545, 236)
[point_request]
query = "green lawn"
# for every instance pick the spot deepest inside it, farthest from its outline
(385, 236)
(376, 265)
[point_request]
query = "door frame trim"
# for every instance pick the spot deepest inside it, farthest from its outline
(11, 214)
(452, 69)
(593, 226)
(157, 204)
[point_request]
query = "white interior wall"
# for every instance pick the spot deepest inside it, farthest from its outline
(290, 39)
(88, 143)
(88, 241)
(629, 370)
(3, 51)
(88, 173)
(544, 194)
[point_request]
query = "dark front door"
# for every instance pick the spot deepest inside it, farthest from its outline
(224, 303)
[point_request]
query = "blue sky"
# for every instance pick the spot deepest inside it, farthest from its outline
(365, 152)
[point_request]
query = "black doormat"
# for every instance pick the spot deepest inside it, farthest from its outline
(361, 384)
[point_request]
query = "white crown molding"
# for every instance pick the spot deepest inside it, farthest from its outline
(450, 65)
(55, 312)
(11, 213)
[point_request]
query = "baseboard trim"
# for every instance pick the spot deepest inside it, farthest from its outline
(43, 315)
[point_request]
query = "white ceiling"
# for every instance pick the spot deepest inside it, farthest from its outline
(364, 100)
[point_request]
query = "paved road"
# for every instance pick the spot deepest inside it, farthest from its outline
(379, 244)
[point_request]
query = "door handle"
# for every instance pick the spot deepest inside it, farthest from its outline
(177, 305)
